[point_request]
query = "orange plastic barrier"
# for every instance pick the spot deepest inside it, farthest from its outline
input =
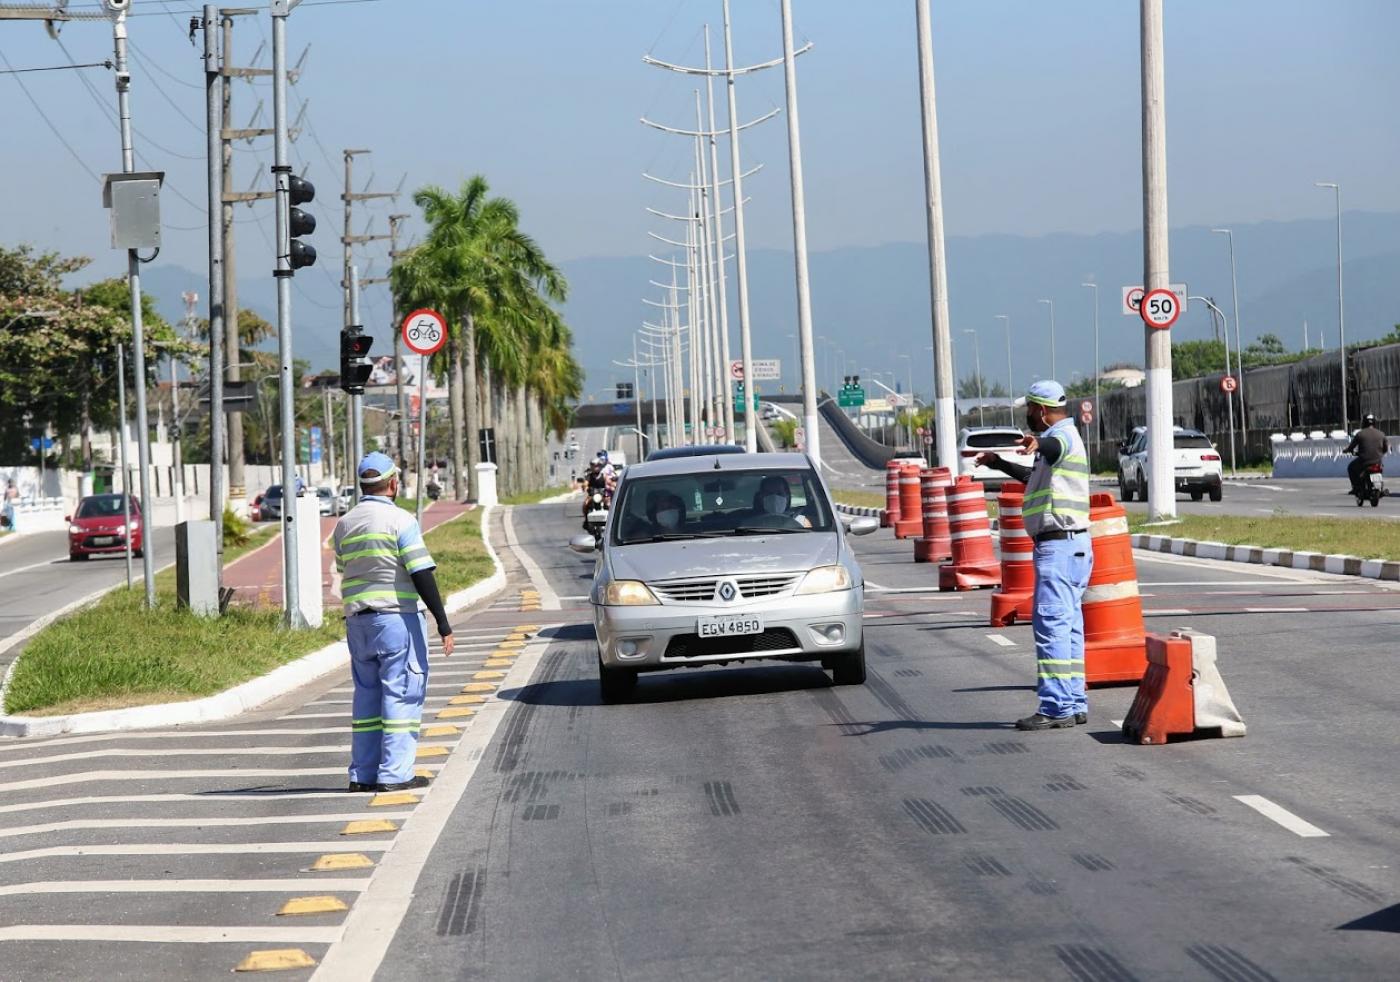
(911, 515)
(934, 546)
(1182, 693)
(974, 563)
(1017, 594)
(891, 513)
(1115, 647)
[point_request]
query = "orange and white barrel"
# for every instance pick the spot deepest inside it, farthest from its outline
(974, 562)
(934, 546)
(911, 517)
(1017, 594)
(891, 513)
(1115, 640)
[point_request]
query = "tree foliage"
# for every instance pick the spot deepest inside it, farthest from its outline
(968, 388)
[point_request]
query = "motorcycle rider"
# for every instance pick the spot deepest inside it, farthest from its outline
(1369, 446)
(600, 477)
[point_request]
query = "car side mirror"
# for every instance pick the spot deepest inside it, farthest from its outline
(863, 525)
(582, 543)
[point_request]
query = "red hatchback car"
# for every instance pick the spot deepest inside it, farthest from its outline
(98, 527)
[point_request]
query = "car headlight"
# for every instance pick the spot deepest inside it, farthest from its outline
(825, 579)
(628, 593)
(75, 530)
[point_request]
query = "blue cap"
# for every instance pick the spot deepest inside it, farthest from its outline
(1046, 392)
(380, 463)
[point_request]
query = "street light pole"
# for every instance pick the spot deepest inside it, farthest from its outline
(1010, 385)
(1098, 370)
(1239, 350)
(977, 367)
(909, 414)
(1053, 373)
(1229, 403)
(1341, 306)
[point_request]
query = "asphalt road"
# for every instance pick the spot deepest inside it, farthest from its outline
(750, 823)
(758, 823)
(1292, 496)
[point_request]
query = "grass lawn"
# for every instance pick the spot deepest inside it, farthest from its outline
(859, 499)
(115, 654)
(535, 497)
(1352, 537)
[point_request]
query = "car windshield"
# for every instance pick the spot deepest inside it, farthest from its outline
(102, 506)
(709, 503)
(324, 493)
(1184, 442)
(1001, 438)
(274, 491)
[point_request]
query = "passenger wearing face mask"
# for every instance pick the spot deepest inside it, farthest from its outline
(775, 498)
(667, 512)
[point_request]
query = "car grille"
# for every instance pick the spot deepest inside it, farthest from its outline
(703, 590)
(694, 646)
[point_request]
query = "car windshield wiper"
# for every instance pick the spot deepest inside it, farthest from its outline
(765, 530)
(673, 537)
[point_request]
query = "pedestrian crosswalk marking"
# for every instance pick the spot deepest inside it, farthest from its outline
(194, 849)
(312, 905)
(184, 886)
(80, 824)
(275, 960)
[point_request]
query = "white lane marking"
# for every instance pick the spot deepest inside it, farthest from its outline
(1002, 640)
(197, 849)
(343, 714)
(334, 748)
(1117, 723)
(107, 800)
(1166, 612)
(77, 824)
(549, 600)
(175, 734)
(1214, 583)
(288, 885)
(25, 569)
(127, 777)
(1281, 815)
(169, 934)
(908, 589)
(1297, 576)
(1276, 610)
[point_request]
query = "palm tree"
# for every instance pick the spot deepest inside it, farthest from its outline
(495, 286)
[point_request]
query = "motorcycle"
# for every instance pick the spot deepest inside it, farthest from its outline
(1371, 487)
(595, 515)
(434, 490)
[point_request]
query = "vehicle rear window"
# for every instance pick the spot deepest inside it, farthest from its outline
(1192, 442)
(720, 503)
(1005, 438)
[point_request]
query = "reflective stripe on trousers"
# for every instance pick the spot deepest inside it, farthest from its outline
(389, 663)
(1062, 568)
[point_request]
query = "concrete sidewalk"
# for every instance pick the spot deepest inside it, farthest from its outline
(257, 577)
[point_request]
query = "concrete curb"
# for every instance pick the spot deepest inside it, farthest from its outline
(858, 511)
(1317, 562)
(239, 699)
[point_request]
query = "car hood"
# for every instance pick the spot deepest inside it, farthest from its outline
(737, 555)
(103, 523)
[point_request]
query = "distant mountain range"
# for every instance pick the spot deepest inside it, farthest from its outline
(874, 302)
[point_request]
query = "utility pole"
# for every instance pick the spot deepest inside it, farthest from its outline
(1161, 486)
(945, 414)
(357, 402)
(1098, 370)
(1054, 372)
(118, 11)
(347, 240)
(402, 446)
(799, 243)
(214, 123)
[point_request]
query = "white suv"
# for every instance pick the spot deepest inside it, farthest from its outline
(1196, 462)
(1004, 441)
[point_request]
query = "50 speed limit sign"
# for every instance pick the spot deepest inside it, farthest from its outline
(1160, 309)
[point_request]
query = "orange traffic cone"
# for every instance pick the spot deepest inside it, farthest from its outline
(911, 516)
(1115, 647)
(934, 546)
(1017, 594)
(974, 563)
(1182, 693)
(891, 513)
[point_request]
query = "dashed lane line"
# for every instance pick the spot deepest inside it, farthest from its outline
(1002, 640)
(1276, 610)
(127, 777)
(195, 849)
(169, 933)
(1166, 612)
(1282, 816)
(287, 885)
(77, 824)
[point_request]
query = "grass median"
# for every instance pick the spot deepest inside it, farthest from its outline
(1300, 533)
(535, 497)
(115, 654)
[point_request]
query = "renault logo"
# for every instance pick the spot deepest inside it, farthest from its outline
(726, 590)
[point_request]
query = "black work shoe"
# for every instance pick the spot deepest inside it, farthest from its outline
(359, 787)
(1039, 722)
(1081, 718)
(409, 785)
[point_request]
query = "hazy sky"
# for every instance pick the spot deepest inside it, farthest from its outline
(1038, 109)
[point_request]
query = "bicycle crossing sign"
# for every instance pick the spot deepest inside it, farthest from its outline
(424, 331)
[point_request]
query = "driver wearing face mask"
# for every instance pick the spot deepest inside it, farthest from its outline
(775, 498)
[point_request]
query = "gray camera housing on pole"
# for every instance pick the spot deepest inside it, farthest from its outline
(134, 200)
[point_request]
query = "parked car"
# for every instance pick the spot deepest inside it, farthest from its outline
(272, 501)
(255, 509)
(98, 527)
(346, 498)
(1197, 468)
(736, 572)
(329, 502)
(1004, 441)
(699, 450)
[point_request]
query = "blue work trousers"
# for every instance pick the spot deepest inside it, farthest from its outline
(1062, 568)
(389, 662)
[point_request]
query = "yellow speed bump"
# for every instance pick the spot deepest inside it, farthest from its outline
(436, 731)
(497, 663)
(368, 825)
(507, 645)
(423, 772)
(529, 607)
(484, 676)
(424, 752)
(394, 798)
(478, 687)
(332, 862)
(275, 960)
(526, 628)
(517, 636)
(456, 712)
(312, 905)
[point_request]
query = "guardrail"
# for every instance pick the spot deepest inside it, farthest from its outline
(1323, 457)
(870, 453)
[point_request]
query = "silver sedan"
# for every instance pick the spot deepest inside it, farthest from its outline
(721, 558)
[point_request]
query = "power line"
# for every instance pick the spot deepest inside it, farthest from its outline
(50, 123)
(55, 68)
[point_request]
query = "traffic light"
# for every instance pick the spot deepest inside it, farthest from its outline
(301, 223)
(624, 391)
(354, 360)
